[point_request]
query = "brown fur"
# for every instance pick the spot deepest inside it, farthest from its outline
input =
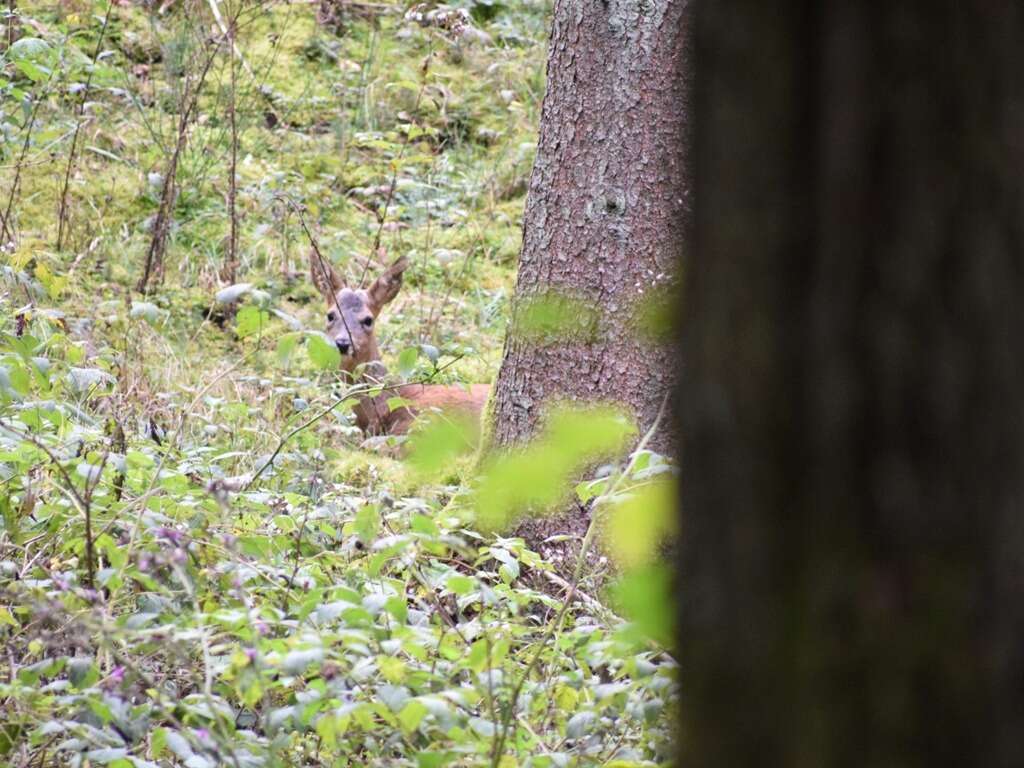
(348, 311)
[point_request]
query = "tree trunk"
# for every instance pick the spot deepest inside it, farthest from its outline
(852, 406)
(602, 220)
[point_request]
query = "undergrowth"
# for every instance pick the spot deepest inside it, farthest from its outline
(202, 562)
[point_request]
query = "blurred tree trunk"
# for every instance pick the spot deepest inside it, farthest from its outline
(602, 218)
(852, 406)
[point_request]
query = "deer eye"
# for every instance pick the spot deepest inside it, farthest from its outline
(330, 317)
(368, 322)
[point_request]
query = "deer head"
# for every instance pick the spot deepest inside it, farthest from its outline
(352, 312)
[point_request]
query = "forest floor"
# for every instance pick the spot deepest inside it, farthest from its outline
(202, 561)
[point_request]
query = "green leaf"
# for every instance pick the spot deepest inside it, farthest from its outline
(398, 608)
(29, 48)
(250, 320)
(460, 585)
(656, 314)
(553, 318)
(477, 658)
(407, 361)
(412, 715)
(425, 525)
(642, 596)
(538, 477)
(107, 756)
(439, 441)
(367, 523)
(322, 351)
(32, 71)
(393, 669)
(432, 759)
(641, 522)
(285, 347)
(6, 617)
(157, 743)
(148, 311)
(20, 380)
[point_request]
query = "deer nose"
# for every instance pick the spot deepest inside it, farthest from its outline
(343, 346)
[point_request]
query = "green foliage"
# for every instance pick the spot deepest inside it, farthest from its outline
(162, 606)
(553, 318)
(323, 352)
(537, 478)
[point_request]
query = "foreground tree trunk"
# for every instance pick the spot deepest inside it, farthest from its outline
(852, 409)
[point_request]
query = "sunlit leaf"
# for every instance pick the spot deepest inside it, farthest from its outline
(552, 318)
(640, 522)
(285, 347)
(646, 597)
(412, 715)
(251, 320)
(538, 477)
(439, 440)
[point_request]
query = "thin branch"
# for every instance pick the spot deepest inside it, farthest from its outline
(398, 164)
(231, 268)
(158, 243)
(5, 229)
(62, 211)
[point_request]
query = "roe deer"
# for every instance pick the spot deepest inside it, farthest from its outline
(351, 324)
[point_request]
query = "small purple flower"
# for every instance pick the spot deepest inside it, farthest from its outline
(170, 534)
(114, 679)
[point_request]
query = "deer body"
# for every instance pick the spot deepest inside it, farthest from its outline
(351, 318)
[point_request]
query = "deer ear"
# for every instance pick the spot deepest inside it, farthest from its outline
(325, 276)
(386, 287)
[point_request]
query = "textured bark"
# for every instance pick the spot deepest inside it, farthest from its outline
(602, 219)
(852, 406)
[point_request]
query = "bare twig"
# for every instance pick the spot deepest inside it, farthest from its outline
(6, 230)
(231, 266)
(161, 226)
(382, 217)
(62, 211)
